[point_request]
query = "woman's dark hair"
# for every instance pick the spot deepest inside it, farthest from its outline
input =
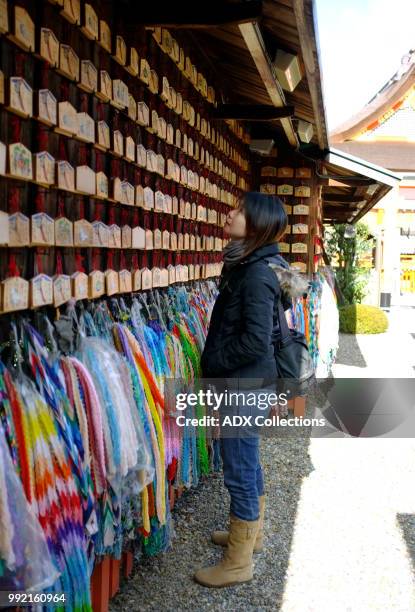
(266, 219)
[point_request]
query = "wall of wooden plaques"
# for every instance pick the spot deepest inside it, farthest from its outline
(292, 178)
(113, 174)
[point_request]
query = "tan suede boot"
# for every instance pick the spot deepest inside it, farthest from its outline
(236, 565)
(221, 537)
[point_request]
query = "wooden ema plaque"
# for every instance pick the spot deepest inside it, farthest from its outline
(49, 47)
(86, 128)
(126, 237)
(105, 86)
(119, 94)
(125, 281)
(132, 108)
(83, 234)
(42, 230)
(4, 17)
(79, 282)
(66, 176)
(85, 180)
(20, 161)
(130, 149)
(19, 230)
(146, 279)
(20, 97)
(120, 54)
(136, 280)
(100, 234)
(15, 294)
(114, 236)
(68, 62)
(101, 185)
(134, 62)
(62, 289)
(143, 114)
(44, 168)
(96, 284)
(24, 29)
(41, 291)
(4, 229)
(141, 156)
(111, 282)
(90, 25)
(67, 119)
(138, 238)
(47, 109)
(72, 11)
(63, 232)
(103, 134)
(89, 77)
(104, 35)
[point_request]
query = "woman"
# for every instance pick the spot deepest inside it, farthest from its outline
(239, 345)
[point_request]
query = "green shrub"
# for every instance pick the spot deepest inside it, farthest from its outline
(362, 319)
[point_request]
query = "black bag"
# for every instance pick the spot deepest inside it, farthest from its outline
(291, 352)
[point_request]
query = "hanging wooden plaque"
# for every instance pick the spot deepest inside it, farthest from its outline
(127, 193)
(105, 86)
(4, 17)
(19, 230)
(138, 240)
(141, 156)
(130, 149)
(160, 164)
(119, 93)
(83, 234)
(44, 168)
(171, 270)
(153, 83)
(303, 172)
(66, 176)
(120, 55)
(299, 247)
(300, 228)
(72, 11)
(89, 77)
(151, 161)
(132, 108)
(79, 282)
(104, 35)
(101, 185)
(159, 201)
(68, 62)
(285, 189)
(112, 282)
(301, 209)
(96, 282)
(136, 280)
(146, 279)
(47, 107)
(15, 294)
(85, 180)
(24, 29)
(116, 189)
(155, 277)
(139, 196)
(62, 290)
(149, 239)
(41, 291)
(301, 266)
(63, 232)
(42, 230)
(86, 127)
(134, 65)
(114, 241)
(126, 237)
(268, 188)
(49, 46)
(103, 132)
(302, 191)
(125, 281)
(100, 234)
(154, 122)
(90, 25)
(144, 71)
(20, 97)
(162, 128)
(168, 204)
(118, 143)
(20, 161)
(4, 229)
(67, 119)
(143, 114)
(157, 239)
(178, 109)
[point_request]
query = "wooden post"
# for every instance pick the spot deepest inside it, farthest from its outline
(128, 561)
(100, 585)
(115, 568)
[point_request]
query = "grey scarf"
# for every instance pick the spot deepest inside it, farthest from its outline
(233, 252)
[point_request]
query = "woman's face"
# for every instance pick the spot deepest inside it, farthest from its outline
(235, 224)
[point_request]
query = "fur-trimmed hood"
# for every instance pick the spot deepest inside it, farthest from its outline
(292, 282)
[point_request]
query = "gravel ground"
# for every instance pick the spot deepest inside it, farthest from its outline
(339, 524)
(165, 583)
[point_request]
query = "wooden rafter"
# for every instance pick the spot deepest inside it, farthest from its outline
(252, 112)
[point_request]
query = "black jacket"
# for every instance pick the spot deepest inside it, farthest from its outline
(239, 343)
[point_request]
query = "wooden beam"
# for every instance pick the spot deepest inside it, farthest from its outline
(189, 14)
(340, 197)
(252, 112)
(256, 46)
(305, 19)
(350, 182)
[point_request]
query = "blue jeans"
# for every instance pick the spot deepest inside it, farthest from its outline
(240, 452)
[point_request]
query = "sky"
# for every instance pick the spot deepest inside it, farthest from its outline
(361, 46)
